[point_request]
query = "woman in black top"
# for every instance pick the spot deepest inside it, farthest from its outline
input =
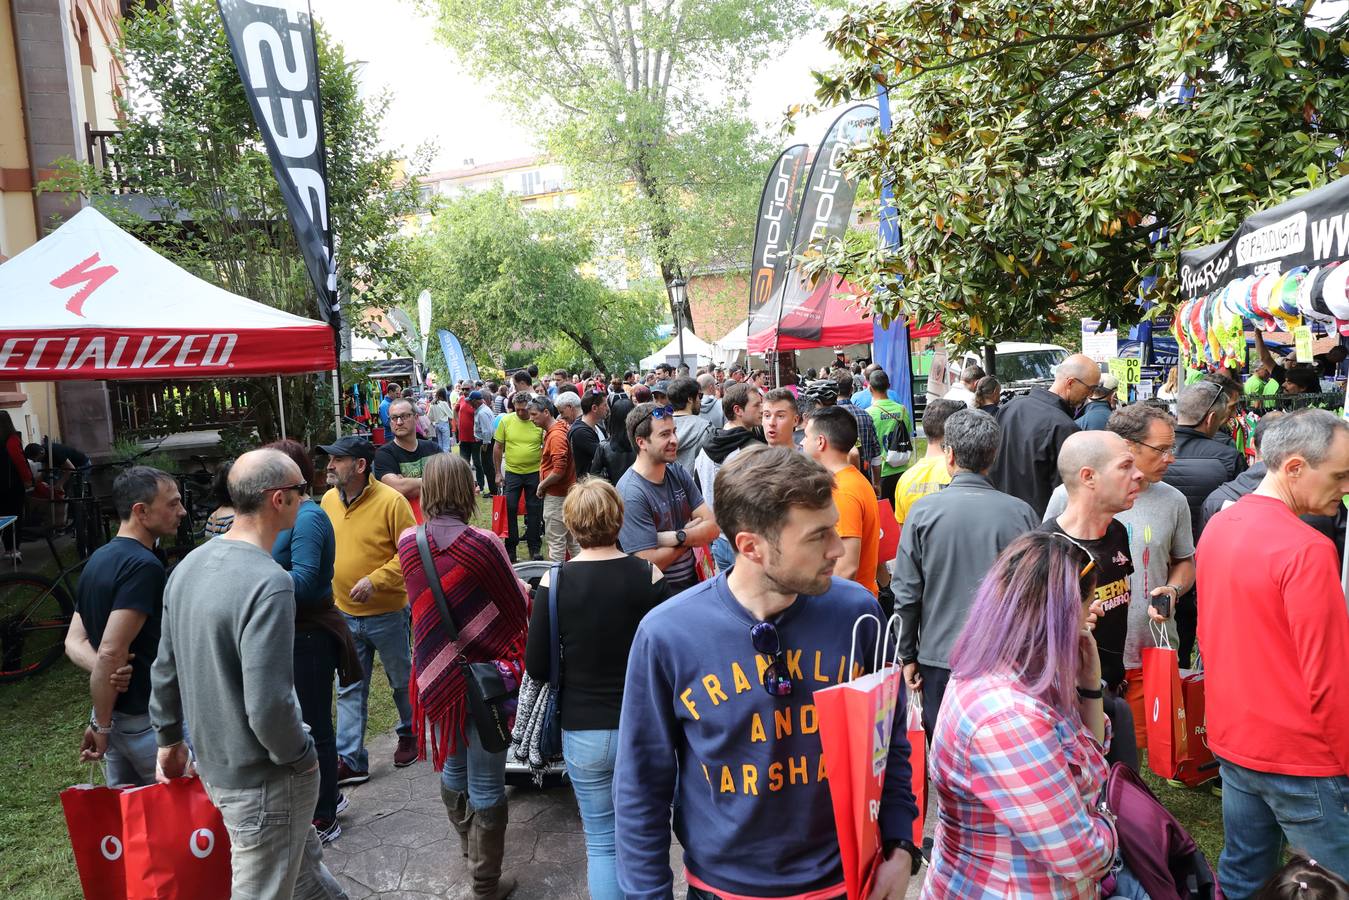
(615, 454)
(603, 594)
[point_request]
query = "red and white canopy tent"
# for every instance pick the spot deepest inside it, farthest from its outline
(845, 321)
(89, 301)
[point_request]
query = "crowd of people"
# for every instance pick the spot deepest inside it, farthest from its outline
(711, 543)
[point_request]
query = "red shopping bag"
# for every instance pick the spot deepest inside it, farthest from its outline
(1164, 709)
(94, 820)
(889, 545)
(176, 843)
(1199, 765)
(856, 721)
(499, 526)
(704, 566)
(917, 761)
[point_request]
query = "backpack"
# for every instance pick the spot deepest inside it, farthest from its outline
(1155, 847)
(898, 443)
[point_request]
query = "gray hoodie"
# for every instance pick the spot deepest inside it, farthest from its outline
(691, 431)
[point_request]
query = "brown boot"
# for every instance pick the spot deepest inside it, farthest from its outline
(486, 847)
(461, 814)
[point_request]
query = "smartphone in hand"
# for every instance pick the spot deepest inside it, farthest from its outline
(1161, 603)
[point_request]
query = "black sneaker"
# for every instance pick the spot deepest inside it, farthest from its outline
(329, 831)
(347, 775)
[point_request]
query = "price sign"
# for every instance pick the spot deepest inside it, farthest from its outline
(1302, 342)
(1127, 371)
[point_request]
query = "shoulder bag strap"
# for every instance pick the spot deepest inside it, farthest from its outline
(554, 634)
(433, 581)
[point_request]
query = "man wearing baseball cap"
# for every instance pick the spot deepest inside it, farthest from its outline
(1100, 404)
(368, 517)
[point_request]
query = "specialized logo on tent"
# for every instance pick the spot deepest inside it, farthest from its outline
(103, 352)
(84, 274)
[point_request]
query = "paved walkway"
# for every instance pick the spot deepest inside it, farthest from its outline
(397, 842)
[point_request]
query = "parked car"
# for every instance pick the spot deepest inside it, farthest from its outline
(1020, 367)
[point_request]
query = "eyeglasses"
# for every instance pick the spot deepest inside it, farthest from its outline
(1091, 560)
(776, 679)
(401, 416)
(299, 489)
(1161, 451)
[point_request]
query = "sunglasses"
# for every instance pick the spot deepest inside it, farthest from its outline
(776, 680)
(299, 489)
(1091, 560)
(657, 412)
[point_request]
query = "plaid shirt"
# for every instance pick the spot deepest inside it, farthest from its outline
(1018, 786)
(868, 444)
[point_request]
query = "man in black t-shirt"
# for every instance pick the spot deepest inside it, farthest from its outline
(1099, 474)
(585, 433)
(118, 606)
(399, 463)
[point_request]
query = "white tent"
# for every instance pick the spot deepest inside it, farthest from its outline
(696, 352)
(89, 301)
(732, 344)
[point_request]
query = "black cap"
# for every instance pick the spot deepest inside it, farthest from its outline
(351, 445)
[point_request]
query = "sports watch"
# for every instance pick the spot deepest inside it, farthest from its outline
(915, 855)
(681, 536)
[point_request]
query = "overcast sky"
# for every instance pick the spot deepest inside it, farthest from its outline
(437, 101)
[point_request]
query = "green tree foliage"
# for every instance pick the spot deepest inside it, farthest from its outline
(189, 147)
(502, 276)
(1039, 149)
(642, 102)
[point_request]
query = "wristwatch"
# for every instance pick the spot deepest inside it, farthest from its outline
(99, 729)
(680, 536)
(915, 855)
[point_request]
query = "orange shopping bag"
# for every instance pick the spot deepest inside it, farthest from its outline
(856, 721)
(1164, 708)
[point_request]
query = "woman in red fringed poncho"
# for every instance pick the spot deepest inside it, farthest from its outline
(488, 604)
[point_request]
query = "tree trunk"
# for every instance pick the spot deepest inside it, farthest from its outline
(990, 359)
(586, 346)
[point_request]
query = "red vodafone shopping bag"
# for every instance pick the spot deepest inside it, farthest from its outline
(500, 526)
(1164, 709)
(176, 844)
(856, 720)
(1199, 765)
(917, 761)
(94, 820)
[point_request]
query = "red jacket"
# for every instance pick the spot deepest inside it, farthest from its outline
(1273, 628)
(464, 418)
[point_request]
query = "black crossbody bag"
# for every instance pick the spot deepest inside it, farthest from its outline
(488, 693)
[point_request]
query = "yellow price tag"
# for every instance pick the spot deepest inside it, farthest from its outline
(1302, 341)
(1121, 368)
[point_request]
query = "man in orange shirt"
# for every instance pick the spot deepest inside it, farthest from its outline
(557, 473)
(831, 432)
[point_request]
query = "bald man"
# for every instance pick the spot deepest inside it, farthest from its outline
(1035, 426)
(1101, 477)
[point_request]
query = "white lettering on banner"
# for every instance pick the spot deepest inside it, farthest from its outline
(1198, 282)
(1273, 241)
(25, 354)
(1330, 237)
(310, 185)
(828, 186)
(782, 185)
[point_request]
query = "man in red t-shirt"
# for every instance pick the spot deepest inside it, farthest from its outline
(470, 448)
(1273, 631)
(557, 473)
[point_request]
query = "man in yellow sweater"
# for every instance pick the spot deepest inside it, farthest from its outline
(368, 517)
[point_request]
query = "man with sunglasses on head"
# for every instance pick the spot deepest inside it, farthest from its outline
(664, 514)
(1161, 543)
(1202, 463)
(718, 718)
(1035, 426)
(1101, 479)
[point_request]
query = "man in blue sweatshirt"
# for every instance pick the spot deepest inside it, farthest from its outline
(718, 720)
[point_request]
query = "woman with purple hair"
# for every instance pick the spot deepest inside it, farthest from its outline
(1018, 758)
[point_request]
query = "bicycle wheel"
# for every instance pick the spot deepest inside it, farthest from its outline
(35, 614)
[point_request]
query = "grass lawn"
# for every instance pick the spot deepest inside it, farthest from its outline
(44, 718)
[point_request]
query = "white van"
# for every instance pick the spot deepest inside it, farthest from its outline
(1021, 366)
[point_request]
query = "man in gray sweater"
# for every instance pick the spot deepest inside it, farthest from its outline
(225, 664)
(949, 542)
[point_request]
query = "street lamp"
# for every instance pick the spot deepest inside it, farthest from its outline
(678, 291)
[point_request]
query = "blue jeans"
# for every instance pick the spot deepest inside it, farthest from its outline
(590, 766)
(1261, 810)
(388, 634)
(471, 768)
(443, 436)
(132, 751)
(723, 554)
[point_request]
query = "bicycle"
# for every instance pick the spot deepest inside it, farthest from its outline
(35, 614)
